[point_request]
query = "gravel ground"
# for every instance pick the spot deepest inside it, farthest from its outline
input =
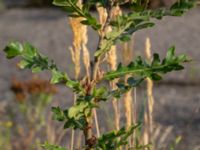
(177, 103)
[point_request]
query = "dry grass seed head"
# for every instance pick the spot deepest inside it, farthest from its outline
(149, 86)
(102, 18)
(148, 48)
(86, 53)
(127, 58)
(77, 40)
(148, 121)
(111, 58)
(80, 42)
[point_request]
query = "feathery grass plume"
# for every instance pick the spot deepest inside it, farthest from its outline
(148, 48)
(111, 58)
(77, 42)
(76, 26)
(86, 53)
(146, 130)
(150, 88)
(129, 104)
(148, 121)
(102, 18)
(112, 62)
(127, 57)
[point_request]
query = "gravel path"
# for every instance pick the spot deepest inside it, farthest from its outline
(48, 30)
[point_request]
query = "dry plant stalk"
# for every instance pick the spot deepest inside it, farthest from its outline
(129, 104)
(111, 57)
(146, 129)
(76, 52)
(76, 49)
(80, 43)
(127, 58)
(112, 61)
(148, 116)
(102, 18)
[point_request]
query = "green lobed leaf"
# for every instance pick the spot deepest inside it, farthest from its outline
(13, 49)
(125, 25)
(123, 87)
(100, 94)
(58, 114)
(32, 59)
(113, 140)
(75, 116)
(152, 70)
(58, 76)
(72, 8)
(122, 28)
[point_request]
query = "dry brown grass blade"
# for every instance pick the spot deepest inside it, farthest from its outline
(150, 89)
(76, 49)
(86, 53)
(76, 54)
(80, 43)
(148, 116)
(112, 62)
(129, 102)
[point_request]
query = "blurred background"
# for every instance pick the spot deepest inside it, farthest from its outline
(25, 99)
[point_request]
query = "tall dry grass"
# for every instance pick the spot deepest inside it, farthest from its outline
(75, 53)
(148, 116)
(80, 40)
(111, 57)
(128, 99)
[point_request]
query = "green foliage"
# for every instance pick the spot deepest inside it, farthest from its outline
(123, 26)
(122, 87)
(115, 139)
(153, 70)
(47, 146)
(58, 114)
(76, 116)
(141, 69)
(177, 9)
(74, 10)
(32, 59)
(140, 18)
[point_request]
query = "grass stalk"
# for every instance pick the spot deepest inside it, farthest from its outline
(148, 117)
(75, 52)
(111, 57)
(112, 61)
(128, 99)
(150, 90)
